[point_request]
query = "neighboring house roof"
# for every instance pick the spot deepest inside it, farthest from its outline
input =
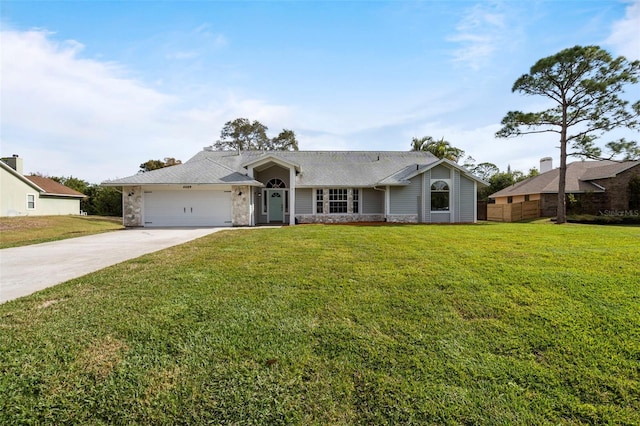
(579, 177)
(53, 188)
(18, 176)
(44, 186)
(313, 168)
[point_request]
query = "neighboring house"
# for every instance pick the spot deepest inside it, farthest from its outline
(593, 187)
(33, 195)
(247, 188)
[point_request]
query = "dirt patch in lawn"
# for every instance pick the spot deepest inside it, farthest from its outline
(102, 357)
(19, 223)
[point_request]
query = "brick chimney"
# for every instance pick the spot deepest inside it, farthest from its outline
(546, 164)
(15, 162)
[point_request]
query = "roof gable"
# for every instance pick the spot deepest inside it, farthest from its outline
(267, 159)
(403, 177)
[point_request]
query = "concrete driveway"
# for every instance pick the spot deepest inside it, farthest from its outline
(25, 270)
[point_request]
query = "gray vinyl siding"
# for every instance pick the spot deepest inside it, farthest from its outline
(372, 201)
(304, 201)
(440, 172)
(440, 217)
(405, 199)
(467, 197)
(273, 172)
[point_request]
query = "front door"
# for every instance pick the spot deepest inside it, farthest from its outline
(276, 205)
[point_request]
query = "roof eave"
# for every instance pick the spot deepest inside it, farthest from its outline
(21, 177)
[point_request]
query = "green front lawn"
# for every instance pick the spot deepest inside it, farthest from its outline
(25, 230)
(483, 324)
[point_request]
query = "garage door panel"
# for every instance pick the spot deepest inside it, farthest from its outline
(187, 208)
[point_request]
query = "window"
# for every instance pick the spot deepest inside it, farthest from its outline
(509, 200)
(356, 201)
(338, 200)
(276, 183)
(31, 201)
(265, 201)
(319, 201)
(286, 201)
(439, 196)
(526, 197)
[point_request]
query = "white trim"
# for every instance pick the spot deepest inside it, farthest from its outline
(315, 200)
(359, 200)
(387, 201)
(268, 158)
(35, 201)
(425, 186)
(252, 208)
(292, 196)
(448, 182)
(475, 202)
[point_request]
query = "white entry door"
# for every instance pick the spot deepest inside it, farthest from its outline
(187, 208)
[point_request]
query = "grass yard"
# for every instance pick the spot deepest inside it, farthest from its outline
(25, 230)
(493, 324)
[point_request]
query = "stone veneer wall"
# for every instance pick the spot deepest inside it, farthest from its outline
(402, 218)
(338, 218)
(132, 206)
(241, 205)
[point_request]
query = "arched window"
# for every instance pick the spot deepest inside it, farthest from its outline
(276, 183)
(439, 196)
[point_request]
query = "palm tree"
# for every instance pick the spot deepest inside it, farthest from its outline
(441, 148)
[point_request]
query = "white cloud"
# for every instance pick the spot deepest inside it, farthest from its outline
(68, 115)
(625, 34)
(481, 32)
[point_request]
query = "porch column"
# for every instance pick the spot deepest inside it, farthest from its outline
(292, 196)
(387, 202)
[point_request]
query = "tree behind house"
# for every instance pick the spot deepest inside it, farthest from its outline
(584, 85)
(158, 164)
(440, 148)
(243, 135)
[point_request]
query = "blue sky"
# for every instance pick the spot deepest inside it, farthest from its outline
(94, 88)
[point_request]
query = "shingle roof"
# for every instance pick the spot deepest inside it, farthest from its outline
(51, 187)
(314, 168)
(579, 175)
(194, 171)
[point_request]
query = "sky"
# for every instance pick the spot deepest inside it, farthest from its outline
(92, 89)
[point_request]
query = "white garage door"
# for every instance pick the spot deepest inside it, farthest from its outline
(187, 208)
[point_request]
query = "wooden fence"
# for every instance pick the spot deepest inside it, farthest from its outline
(482, 210)
(513, 212)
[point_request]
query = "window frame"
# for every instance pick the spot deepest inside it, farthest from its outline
(433, 191)
(33, 202)
(319, 205)
(338, 201)
(355, 200)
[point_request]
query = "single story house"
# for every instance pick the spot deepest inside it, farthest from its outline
(248, 188)
(594, 187)
(33, 195)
